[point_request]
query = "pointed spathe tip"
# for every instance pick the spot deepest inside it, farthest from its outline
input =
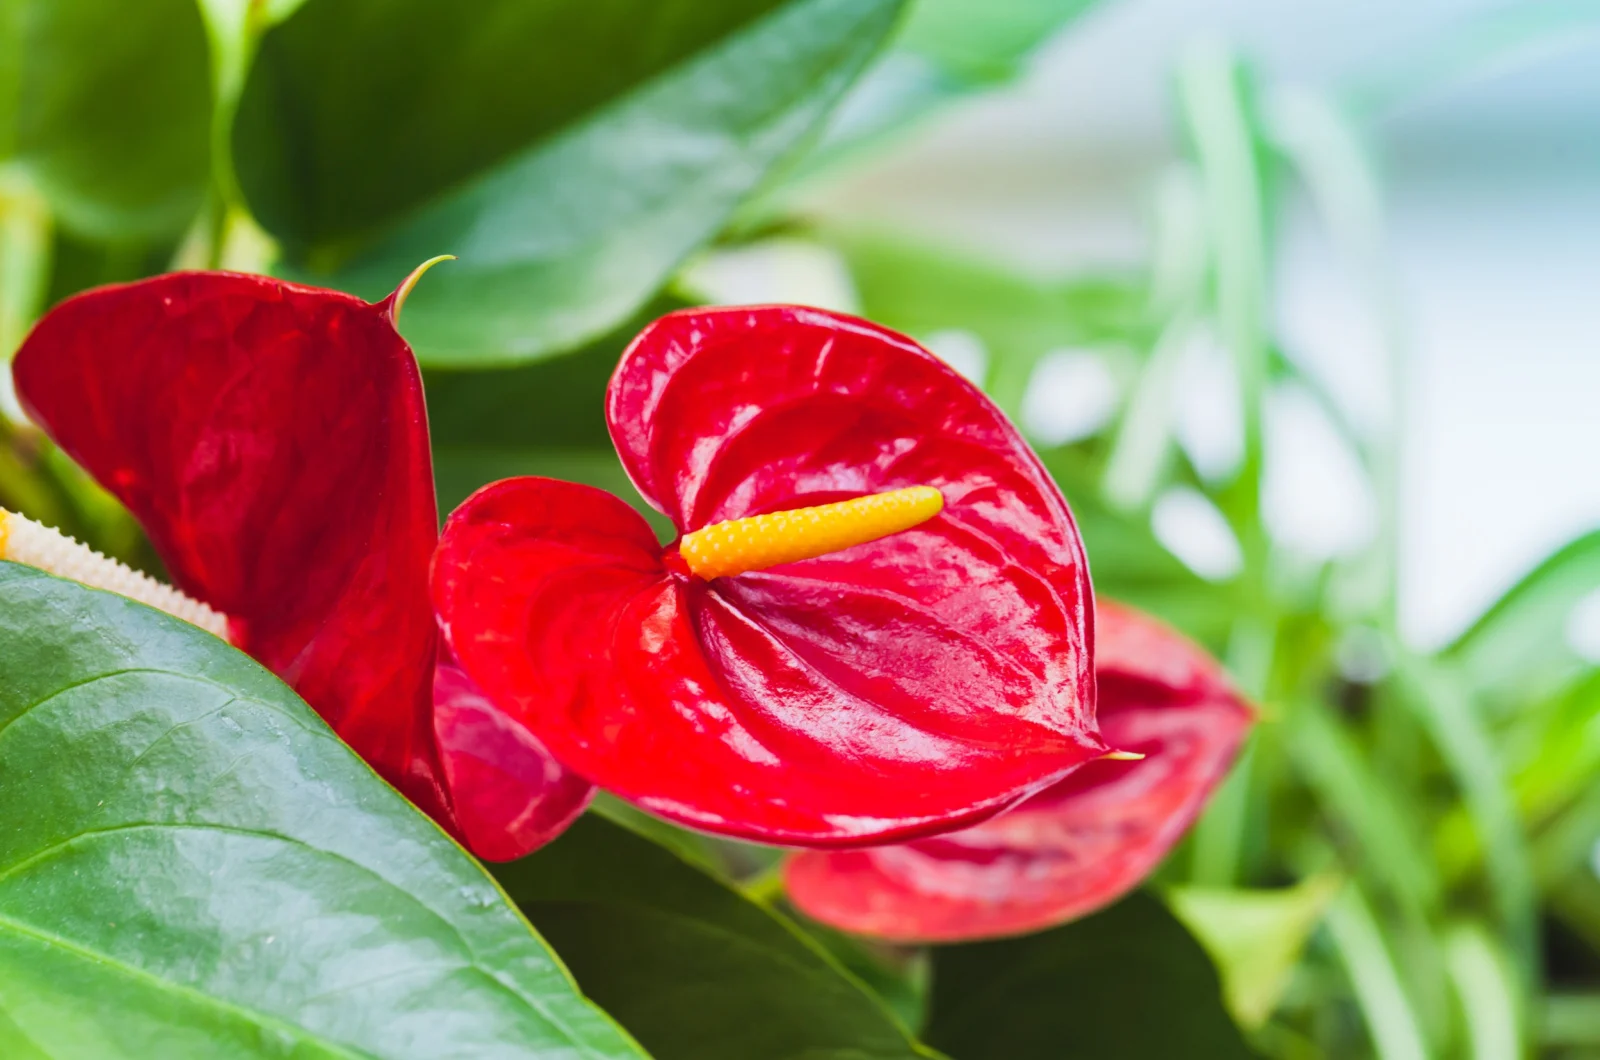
(398, 299)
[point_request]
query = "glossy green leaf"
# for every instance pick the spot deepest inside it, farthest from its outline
(194, 866)
(106, 107)
(690, 966)
(1519, 648)
(1128, 982)
(571, 153)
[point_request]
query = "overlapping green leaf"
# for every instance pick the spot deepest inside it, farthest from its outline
(570, 153)
(692, 968)
(194, 866)
(1128, 982)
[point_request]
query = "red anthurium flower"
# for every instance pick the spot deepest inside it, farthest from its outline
(273, 442)
(1074, 847)
(876, 625)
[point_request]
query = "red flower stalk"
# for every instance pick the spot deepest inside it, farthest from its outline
(1072, 848)
(273, 442)
(910, 654)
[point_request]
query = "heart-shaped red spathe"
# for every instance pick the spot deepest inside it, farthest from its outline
(272, 440)
(1074, 847)
(898, 688)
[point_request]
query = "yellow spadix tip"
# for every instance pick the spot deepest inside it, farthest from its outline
(738, 546)
(1121, 756)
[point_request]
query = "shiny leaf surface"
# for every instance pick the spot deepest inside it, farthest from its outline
(571, 173)
(194, 867)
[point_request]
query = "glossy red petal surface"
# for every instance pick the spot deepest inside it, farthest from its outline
(1076, 846)
(510, 796)
(898, 688)
(272, 440)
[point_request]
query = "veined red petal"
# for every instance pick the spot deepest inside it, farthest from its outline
(1076, 846)
(898, 688)
(272, 440)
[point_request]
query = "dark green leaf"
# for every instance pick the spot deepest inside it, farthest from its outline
(557, 403)
(194, 866)
(693, 969)
(1128, 982)
(1519, 649)
(897, 975)
(545, 418)
(572, 153)
(78, 264)
(107, 108)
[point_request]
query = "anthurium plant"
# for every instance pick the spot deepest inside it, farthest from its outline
(874, 628)
(520, 655)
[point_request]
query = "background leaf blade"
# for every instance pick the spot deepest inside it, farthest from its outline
(691, 967)
(567, 212)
